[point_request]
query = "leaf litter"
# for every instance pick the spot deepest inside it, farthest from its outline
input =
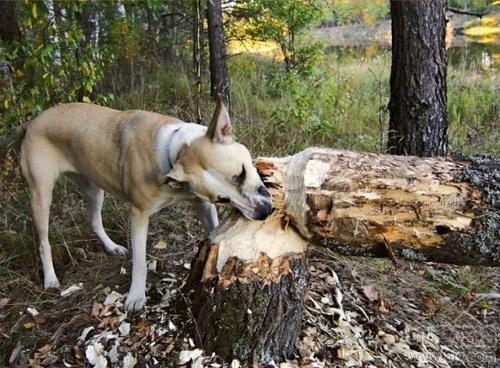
(349, 321)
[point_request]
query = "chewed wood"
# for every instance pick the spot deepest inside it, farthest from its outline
(359, 202)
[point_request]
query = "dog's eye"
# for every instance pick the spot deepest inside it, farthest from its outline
(223, 200)
(240, 179)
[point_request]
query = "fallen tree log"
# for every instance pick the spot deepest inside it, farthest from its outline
(438, 209)
(249, 281)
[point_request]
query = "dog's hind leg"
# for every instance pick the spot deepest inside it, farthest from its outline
(41, 180)
(95, 198)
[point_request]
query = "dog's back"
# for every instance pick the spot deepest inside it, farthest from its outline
(90, 139)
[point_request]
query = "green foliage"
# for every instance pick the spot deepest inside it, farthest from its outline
(282, 21)
(474, 111)
(471, 5)
(465, 280)
(357, 11)
(50, 64)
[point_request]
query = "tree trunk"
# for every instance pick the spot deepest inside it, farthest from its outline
(219, 78)
(9, 29)
(418, 113)
(248, 287)
(438, 209)
(197, 54)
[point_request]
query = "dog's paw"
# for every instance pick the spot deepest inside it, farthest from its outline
(135, 302)
(51, 283)
(116, 249)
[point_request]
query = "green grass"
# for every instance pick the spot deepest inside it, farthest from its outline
(343, 104)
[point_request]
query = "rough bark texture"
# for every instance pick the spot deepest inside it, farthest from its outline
(438, 209)
(418, 112)
(219, 78)
(9, 29)
(249, 308)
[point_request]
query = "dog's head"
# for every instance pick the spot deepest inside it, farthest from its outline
(219, 170)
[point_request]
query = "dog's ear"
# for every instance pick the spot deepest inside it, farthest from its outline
(220, 128)
(175, 177)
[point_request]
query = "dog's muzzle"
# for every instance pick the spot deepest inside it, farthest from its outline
(264, 205)
(264, 209)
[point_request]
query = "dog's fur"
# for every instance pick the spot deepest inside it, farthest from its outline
(148, 159)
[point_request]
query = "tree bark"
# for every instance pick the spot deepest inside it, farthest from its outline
(418, 107)
(197, 54)
(9, 28)
(248, 287)
(438, 209)
(219, 77)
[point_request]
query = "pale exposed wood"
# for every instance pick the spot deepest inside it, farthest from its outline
(355, 202)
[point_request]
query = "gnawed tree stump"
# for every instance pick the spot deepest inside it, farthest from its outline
(439, 209)
(248, 287)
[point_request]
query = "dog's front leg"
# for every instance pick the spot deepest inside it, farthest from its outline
(139, 221)
(207, 214)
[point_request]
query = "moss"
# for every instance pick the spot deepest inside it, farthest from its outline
(413, 255)
(483, 172)
(235, 326)
(269, 332)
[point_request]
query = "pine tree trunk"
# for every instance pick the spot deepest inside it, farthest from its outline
(219, 78)
(418, 107)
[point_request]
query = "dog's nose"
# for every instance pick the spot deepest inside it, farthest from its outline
(263, 210)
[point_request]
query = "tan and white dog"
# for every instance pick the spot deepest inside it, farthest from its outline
(148, 159)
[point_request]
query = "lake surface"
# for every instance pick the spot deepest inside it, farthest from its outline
(467, 55)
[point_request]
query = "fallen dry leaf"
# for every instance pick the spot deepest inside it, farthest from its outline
(4, 302)
(71, 290)
(371, 292)
(169, 348)
(161, 244)
(129, 361)
(112, 298)
(383, 307)
(95, 355)
(186, 356)
(96, 309)
(429, 303)
(111, 321)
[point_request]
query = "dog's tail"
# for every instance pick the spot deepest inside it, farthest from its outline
(12, 141)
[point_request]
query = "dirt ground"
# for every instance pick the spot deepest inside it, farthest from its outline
(359, 311)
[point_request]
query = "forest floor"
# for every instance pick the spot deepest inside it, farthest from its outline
(359, 311)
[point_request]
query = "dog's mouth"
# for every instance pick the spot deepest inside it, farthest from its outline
(222, 200)
(259, 211)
